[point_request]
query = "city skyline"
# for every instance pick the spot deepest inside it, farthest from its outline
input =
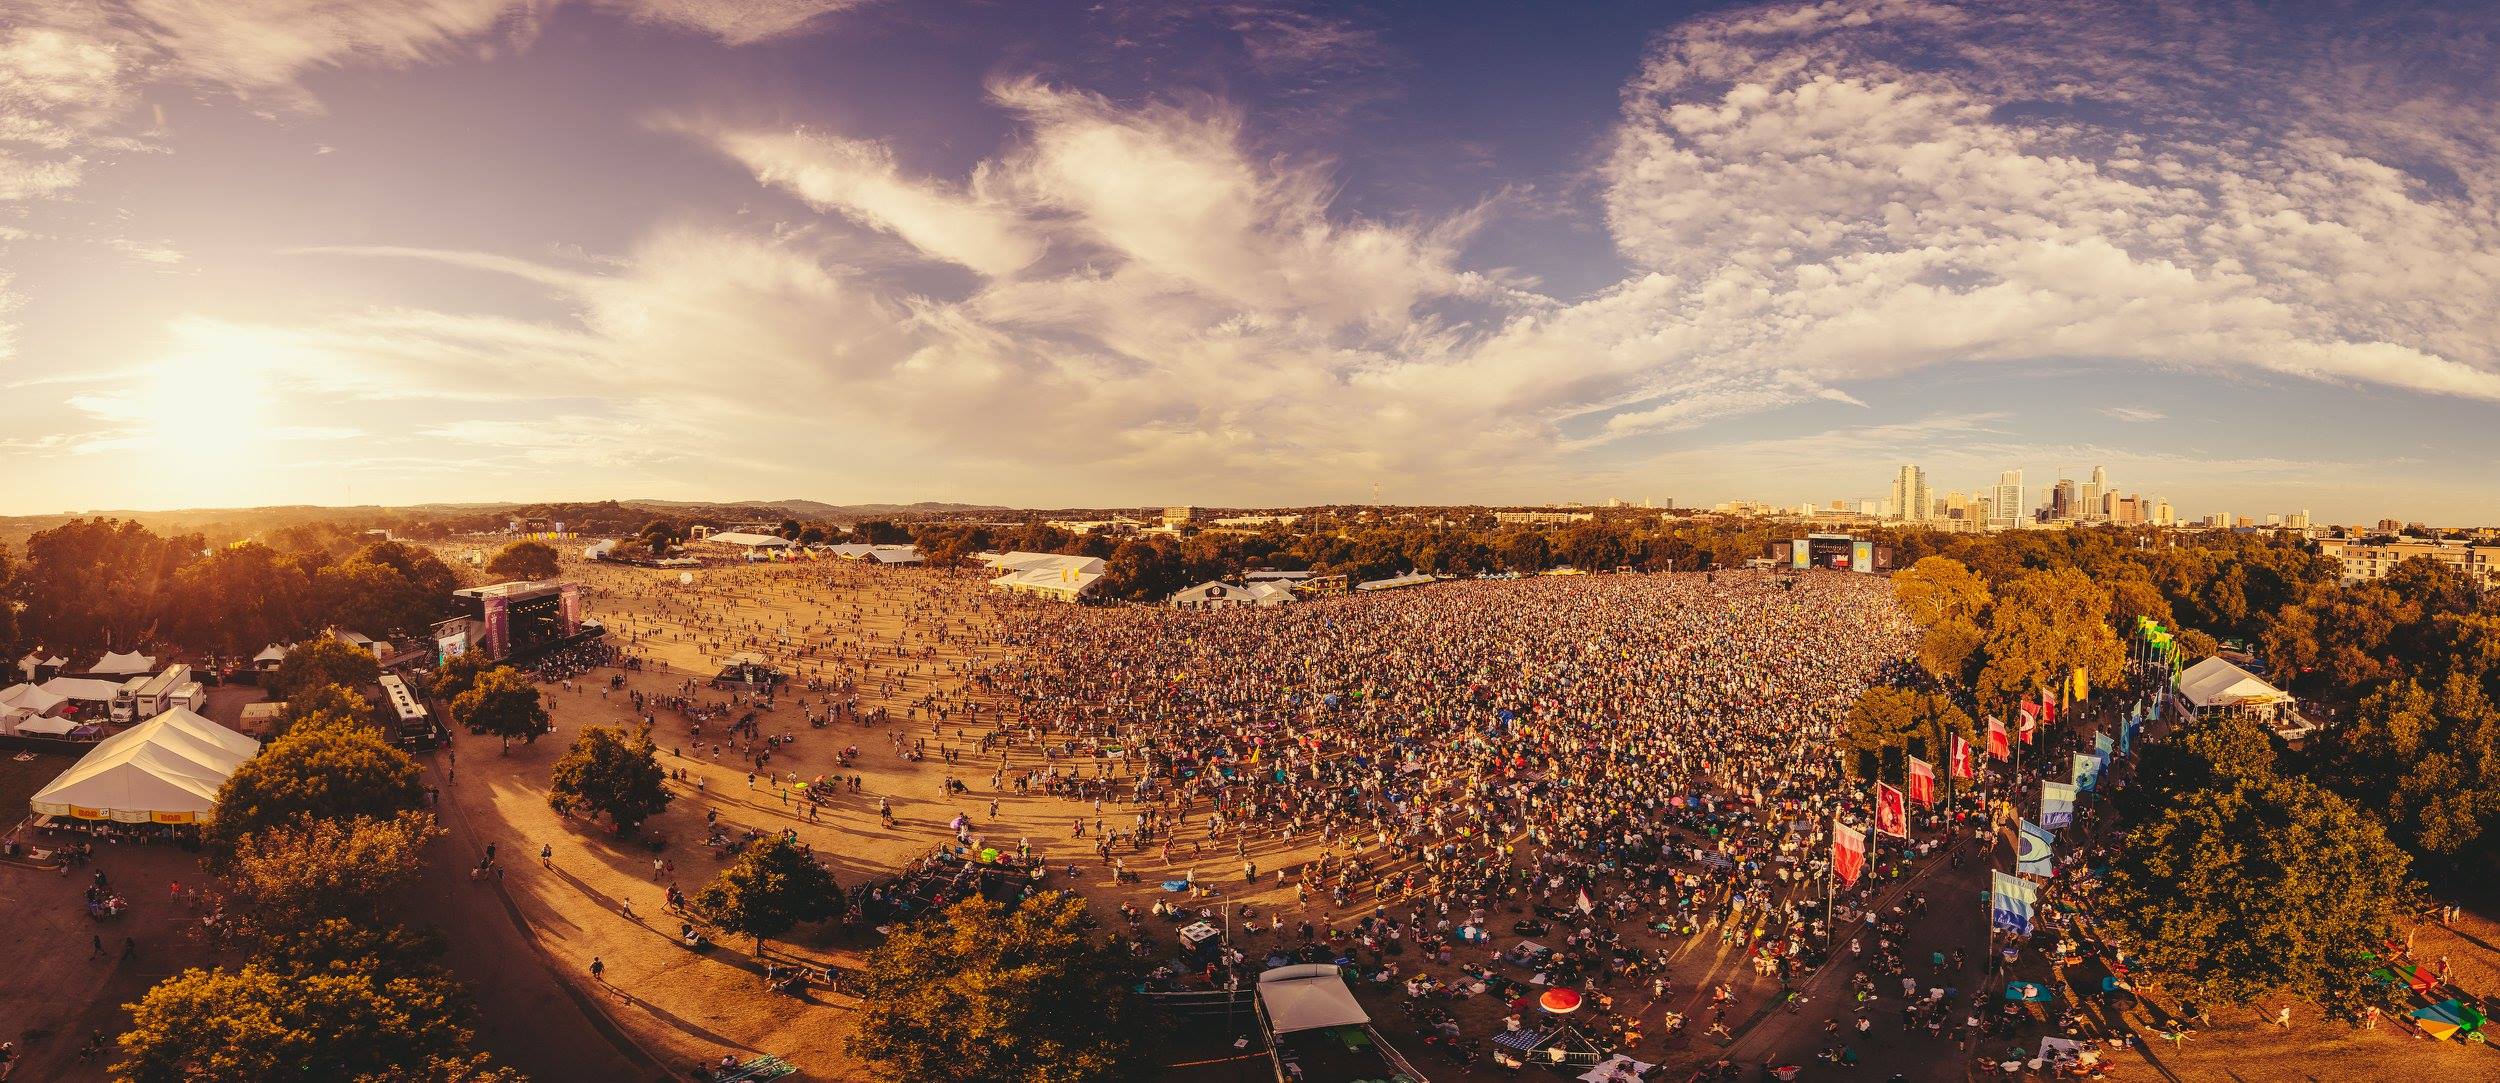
(1258, 253)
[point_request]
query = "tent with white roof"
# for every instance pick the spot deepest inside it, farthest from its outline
(30, 699)
(166, 770)
(123, 665)
(1308, 996)
(83, 689)
(2215, 682)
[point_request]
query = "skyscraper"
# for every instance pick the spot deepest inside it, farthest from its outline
(2005, 502)
(2062, 500)
(1909, 495)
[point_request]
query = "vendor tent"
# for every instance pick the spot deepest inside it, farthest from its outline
(83, 689)
(46, 727)
(123, 665)
(165, 770)
(30, 699)
(2215, 682)
(1308, 996)
(269, 658)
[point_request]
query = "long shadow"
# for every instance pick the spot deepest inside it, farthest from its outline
(683, 1024)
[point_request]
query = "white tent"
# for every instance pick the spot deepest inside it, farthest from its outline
(49, 727)
(123, 665)
(30, 699)
(165, 770)
(2217, 683)
(1308, 996)
(751, 541)
(85, 689)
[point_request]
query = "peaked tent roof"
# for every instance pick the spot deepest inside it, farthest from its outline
(752, 541)
(124, 665)
(2215, 682)
(27, 697)
(275, 652)
(172, 765)
(1308, 996)
(83, 688)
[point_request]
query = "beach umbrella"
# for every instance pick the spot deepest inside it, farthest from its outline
(1559, 1001)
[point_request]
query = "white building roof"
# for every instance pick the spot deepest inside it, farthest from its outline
(275, 652)
(1308, 996)
(1394, 583)
(751, 541)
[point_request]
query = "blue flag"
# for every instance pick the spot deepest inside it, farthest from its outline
(2087, 768)
(2010, 900)
(2102, 749)
(2057, 805)
(2031, 850)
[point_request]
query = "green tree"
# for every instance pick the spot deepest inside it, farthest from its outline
(457, 674)
(2043, 627)
(241, 598)
(323, 770)
(772, 888)
(1917, 723)
(613, 772)
(258, 1022)
(503, 703)
(295, 877)
(323, 660)
(331, 702)
(524, 560)
(1939, 590)
(2258, 889)
(984, 994)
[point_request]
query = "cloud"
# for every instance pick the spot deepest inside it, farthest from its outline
(858, 179)
(2135, 414)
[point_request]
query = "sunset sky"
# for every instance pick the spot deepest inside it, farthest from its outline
(1253, 252)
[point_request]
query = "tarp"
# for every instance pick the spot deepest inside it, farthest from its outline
(124, 665)
(165, 770)
(1308, 996)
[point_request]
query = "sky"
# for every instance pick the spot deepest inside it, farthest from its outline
(1247, 252)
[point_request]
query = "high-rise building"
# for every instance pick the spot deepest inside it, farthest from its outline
(2005, 504)
(2298, 520)
(2062, 499)
(2164, 515)
(1909, 495)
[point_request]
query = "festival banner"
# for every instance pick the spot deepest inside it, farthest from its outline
(2057, 804)
(2083, 685)
(1848, 852)
(1962, 768)
(2031, 849)
(1998, 745)
(1891, 816)
(1922, 782)
(2102, 749)
(2087, 771)
(2025, 721)
(2010, 902)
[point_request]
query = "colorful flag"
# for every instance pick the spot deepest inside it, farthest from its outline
(1848, 852)
(2031, 849)
(2010, 901)
(2087, 771)
(1922, 782)
(1891, 816)
(1962, 768)
(2025, 722)
(2102, 749)
(2057, 804)
(1585, 906)
(2083, 685)
(1998, 745)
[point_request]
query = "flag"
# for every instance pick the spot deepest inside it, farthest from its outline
(2083, 685)
(2057, 804)
(2010, 899)
(1962, 768)
(2031, 849)
(2025, 722)
(2087, 771)
(1922, 782)
(2126, 730)
(1998, 745)
(1585, 906)
(2102, 749)
(1848, 852)
(1891, 816)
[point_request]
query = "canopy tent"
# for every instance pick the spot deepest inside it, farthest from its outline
(2216, 684)
(165, 770)
(48, 727)
(30, 699)
(123, 665)
(1617, 1069)
(1308, 996)
(750, 540)
(85, 689)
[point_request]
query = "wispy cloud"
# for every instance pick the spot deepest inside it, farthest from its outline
(2134, 414)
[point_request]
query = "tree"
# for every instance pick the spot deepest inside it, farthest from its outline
(323, 660)
(790, 529)
(524, 560)
(984, 994)
(614, 772)
(90, 583)
(772, 888)
(881, 532)
(386, 589)
(326, 770)
(242, 598)
(1916, 722)
(2261, 888)
(321, 703)
(2043, 627)
(295, 877)
(1141, 570)
(458, 674)
(1939, 590)
(260, 1022)
(503, 703)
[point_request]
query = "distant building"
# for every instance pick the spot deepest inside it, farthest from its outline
(1229, 595)
(1909, 494)
(1179, 515)
(1050, 575)
(1542, 518)
(2363, 562)
(2006, 503)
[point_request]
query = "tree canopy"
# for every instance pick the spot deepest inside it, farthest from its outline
(984, 994)
(613, 772)
(773, 887)
(259, 1022)
(527, 559)
(323, 660)
(504, 703)
(323, 771)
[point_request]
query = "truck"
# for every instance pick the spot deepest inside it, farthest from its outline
(164, 691)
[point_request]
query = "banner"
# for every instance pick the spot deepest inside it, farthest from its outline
(2031, 849)
(2087, 771)
(2102, 749)
(2057, 804)
(1848, 852)
(1891, 816)
(1800, 555)
(1998, 746)
(1922, 782)
(2082, 685)
(2025, 722)
(2010, 902)
(1962, 768)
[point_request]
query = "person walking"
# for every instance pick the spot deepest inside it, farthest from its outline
(547, 855)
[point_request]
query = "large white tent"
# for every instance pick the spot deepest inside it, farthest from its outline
(166, 770)
(2217, 683)
(1308, 996)
(30, 699)
(123, 665)
(1052, 575)
(83, 689)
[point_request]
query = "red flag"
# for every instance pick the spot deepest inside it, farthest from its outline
(1922, 782)
(2026, 721)
(1848, 852)
(1998, 745)
(1891, 816)
(1962, 768)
